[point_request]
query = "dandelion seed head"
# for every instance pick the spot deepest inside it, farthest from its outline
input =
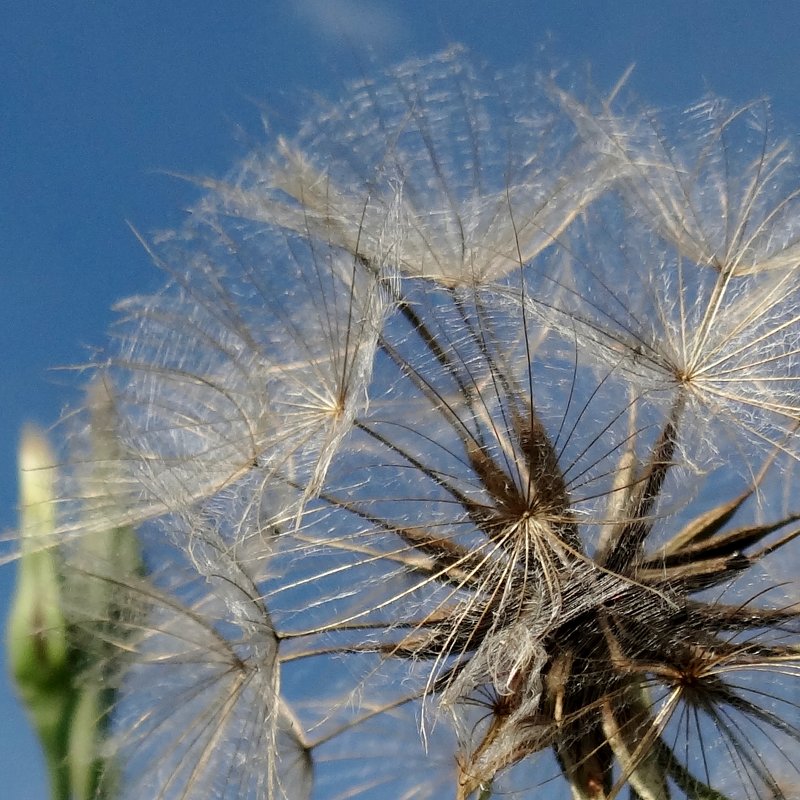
(465, 425)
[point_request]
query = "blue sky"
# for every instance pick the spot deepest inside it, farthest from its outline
(100, 100)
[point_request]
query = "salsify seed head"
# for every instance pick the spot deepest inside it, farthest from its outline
(462, 442)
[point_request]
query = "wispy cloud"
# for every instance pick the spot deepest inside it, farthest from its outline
(352, 22)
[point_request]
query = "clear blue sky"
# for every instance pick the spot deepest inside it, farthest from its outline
(99, 99)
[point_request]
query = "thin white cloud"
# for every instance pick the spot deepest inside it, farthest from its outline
(349, 22)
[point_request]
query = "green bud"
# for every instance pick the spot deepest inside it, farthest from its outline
(38, 650)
